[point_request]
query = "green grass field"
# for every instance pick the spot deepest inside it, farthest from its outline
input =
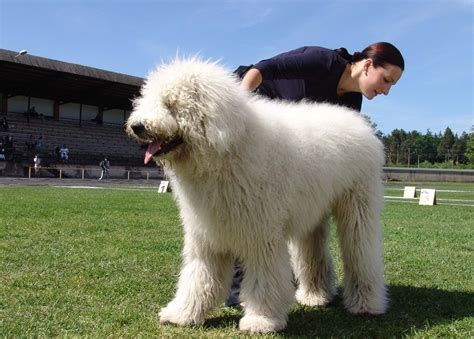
(101, 262)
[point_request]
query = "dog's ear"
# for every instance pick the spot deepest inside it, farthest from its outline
(171, 106)
(220, 139)
(225, 127)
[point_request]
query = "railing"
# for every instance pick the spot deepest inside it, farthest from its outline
(83, 173)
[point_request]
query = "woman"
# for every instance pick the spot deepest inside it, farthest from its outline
(37, 162)
(322, 75)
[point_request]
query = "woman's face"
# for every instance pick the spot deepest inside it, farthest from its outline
(378, 80)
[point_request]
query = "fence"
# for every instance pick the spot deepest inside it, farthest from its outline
(427, 174)
(389, 173)
(94, 173)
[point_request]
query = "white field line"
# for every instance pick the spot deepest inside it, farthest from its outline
(415, 201)
(465, 205)
(437, 199)
(402, 201)
(437, 190)
(90, 187)
(387, 198)
(140, 189)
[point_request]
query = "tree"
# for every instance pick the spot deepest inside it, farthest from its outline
(374, 126)
(470, 149)
(430, 145)
(445, 147)
(411, 147)
(459, 149)
(393, 143)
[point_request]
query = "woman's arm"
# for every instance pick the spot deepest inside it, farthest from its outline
(252, 79)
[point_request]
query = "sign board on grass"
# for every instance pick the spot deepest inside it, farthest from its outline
(163, 186)
(409, 192)
(427, 197)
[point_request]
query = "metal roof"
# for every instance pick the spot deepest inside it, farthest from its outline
(66, 82)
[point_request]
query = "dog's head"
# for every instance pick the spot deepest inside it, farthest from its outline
(187, 107)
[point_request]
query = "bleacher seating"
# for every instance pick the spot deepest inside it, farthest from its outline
(88, 143)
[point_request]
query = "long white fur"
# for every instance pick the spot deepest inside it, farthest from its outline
(257, 180)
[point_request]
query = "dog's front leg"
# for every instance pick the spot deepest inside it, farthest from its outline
(203, 281)
(267, 292)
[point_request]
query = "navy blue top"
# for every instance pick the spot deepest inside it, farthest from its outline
(306, 73)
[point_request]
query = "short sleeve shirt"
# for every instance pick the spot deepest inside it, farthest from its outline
(311, 73)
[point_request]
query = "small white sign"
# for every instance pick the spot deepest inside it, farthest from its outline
(427, 197)
(409, 192)
(163, 186)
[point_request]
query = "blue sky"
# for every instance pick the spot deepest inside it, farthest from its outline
(132, 36)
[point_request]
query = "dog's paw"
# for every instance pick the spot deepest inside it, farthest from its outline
(172, 314)
(260, 324)
(313, 299)
(374, 307)
(368, 300)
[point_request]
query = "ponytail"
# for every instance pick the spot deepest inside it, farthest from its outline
(381, 53)
(345, 54)
(357, 56)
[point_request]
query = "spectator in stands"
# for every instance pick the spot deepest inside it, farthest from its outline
(2, 149)
(39, 144)
(37, 162)
(30, 143)
(99, 118)
(56, 153)
(104, 165)
(9, 148)
(64, 152)
(9, 142)
(30, 112)
(5, 124)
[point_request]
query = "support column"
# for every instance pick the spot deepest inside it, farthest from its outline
(56, 110)
(80, 115)
(4, 104)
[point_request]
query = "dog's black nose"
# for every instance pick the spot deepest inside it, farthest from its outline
(138, 128)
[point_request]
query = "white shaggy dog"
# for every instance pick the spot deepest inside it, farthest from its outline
(257, 180)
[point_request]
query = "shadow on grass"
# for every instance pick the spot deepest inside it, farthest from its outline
(411, 309)
(221, 321)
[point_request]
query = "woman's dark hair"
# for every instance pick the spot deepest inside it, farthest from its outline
(381, 53)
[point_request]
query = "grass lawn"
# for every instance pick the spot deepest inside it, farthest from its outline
(101, 262)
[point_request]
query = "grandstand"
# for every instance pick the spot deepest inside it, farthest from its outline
(81, 107)
(87, 143)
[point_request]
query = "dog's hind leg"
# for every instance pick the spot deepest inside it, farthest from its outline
(267, 292)
(313, 267)
(203, 282)
(360, 238)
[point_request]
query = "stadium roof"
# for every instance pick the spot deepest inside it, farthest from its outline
(66, 82)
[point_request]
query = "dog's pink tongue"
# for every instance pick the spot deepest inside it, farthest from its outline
(152, 149)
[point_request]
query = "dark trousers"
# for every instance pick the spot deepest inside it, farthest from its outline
(233, 298)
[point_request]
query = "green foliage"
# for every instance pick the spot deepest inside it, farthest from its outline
(440, 165)
(409, 148)
(446, 144)
(101, 263)
(470, 148)
(374, 126)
